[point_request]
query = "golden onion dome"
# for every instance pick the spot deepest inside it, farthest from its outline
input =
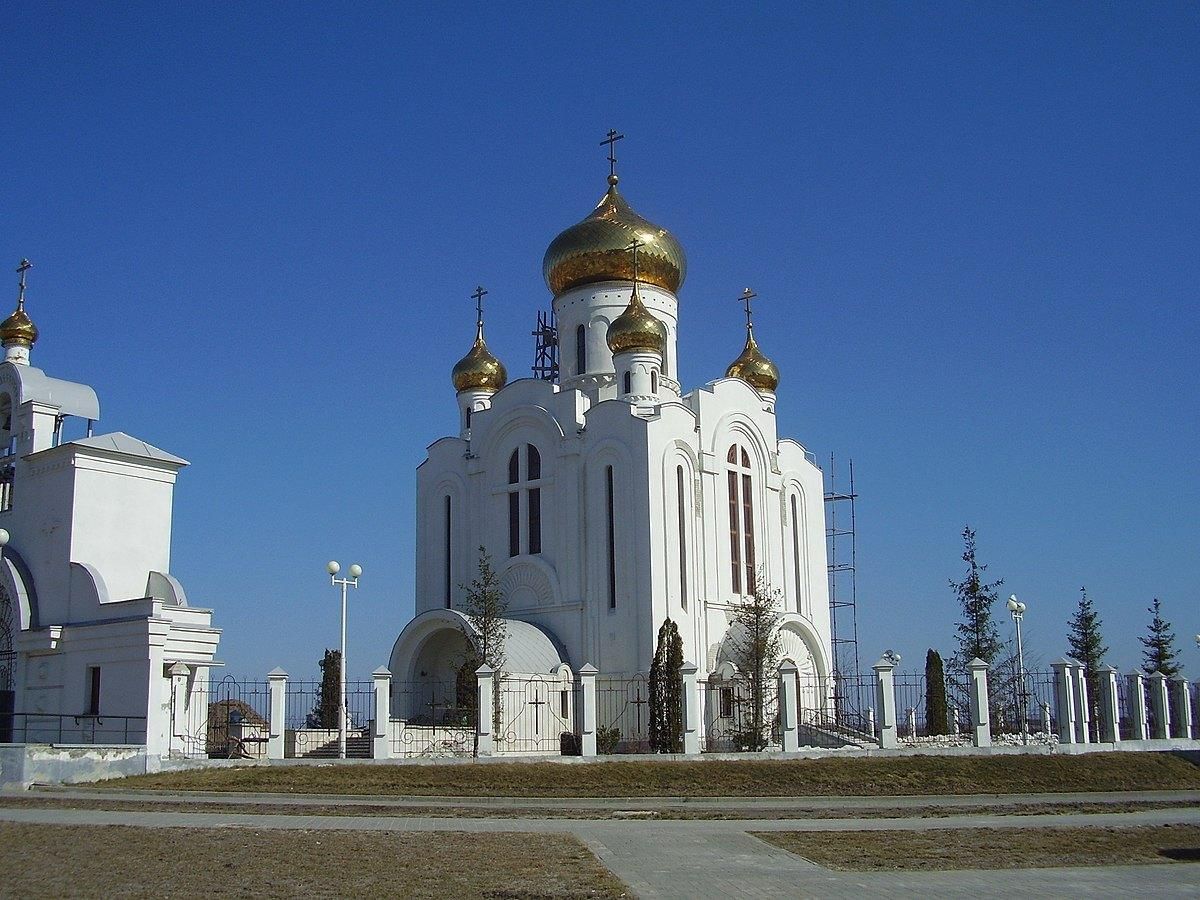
(18, 329)
(753, 366)
(479, 369)
(597, 249)
(636, 330)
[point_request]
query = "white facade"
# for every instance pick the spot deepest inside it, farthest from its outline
(92, 619)
(606, 505)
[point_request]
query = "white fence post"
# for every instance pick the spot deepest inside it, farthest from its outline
(1183, 707)
(1159, 702)
(789, 695)
(381, 744)
(1110, 710)
(277, 680)
(981, 727)
(179, 673)
(587, 698)
(1135, 694)
(1064, 698)
(885, 700)
(486, 700)
(691, 709)
(1083, 707)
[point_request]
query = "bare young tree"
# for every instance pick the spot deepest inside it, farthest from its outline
(756, 647)
(485, 607)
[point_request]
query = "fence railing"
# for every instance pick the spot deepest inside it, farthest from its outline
(52, 728)
(623, 714)
(225, 717)
(311, 719)
(433, 718)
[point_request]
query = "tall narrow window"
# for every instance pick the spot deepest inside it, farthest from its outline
(93, 691)
(626, 383)
(446, 551)
(532, 501)
(681, 512)
(796, 551)
(654, 381)
(468, 417)
(741, 519)
(580, 350)
(609, 510)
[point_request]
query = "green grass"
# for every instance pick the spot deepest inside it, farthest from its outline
(894, 776)
(991, 848)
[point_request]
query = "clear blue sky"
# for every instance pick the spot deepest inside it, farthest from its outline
(974, 231)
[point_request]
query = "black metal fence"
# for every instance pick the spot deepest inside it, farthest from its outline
(225, 717)
(623, 714)
(432, 718)
(537, 715)
(311, 720)
(49, 728)
(737, 719)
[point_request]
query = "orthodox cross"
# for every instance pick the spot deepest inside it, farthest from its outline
(478, 298)
(633, 248)
(24, 267)
(746, 297)
(612, 139)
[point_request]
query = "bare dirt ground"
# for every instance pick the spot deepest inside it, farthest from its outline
(127, 861)
(992, 848)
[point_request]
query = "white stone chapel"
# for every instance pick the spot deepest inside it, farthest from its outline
(98, 643)
(614, 498)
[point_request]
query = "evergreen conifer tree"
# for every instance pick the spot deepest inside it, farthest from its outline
(1088, 648)
(1160, 654)
(325, 711)
(666, 691)
(485, 607)
(935, 694)
(977, 633)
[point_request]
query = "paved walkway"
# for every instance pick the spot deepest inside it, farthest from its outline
(693, 859)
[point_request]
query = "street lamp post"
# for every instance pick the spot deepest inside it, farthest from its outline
(1017, 609)
(333, 567)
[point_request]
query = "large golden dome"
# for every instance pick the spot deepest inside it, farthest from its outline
(636, 330)
(597, 249)
(753, 366)
(479, 369)
(18, 329)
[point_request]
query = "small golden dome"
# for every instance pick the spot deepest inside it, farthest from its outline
(479, 369)
(636, 329)
(597, 249)
(753, 367)
(18, 329)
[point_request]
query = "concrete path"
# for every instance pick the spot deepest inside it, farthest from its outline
(696, 859)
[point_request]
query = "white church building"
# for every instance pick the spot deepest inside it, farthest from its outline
(613, 498)
(97, 641)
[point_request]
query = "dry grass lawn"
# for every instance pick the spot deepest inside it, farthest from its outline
(992, 848)
(127, 861)
(896, 776)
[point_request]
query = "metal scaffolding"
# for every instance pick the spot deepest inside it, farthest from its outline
(545, 354)
(842, 547)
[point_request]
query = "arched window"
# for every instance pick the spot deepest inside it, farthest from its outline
(446, 578)
(533, 501)
(654, 381)
(628, 390)
(681, 512)
(580, 350)
(611, 521)
(796, 553)
(741, 520)
(468, 418)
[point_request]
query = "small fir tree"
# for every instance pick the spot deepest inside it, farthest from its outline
(325, 711)
(756, 647)
(1160, 654)
(1087, 646)
(935, 694)
(485, 607)
(977, 633)
(666, 691)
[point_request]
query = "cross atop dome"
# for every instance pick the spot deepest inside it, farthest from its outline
(611, 140)
(17, 332)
